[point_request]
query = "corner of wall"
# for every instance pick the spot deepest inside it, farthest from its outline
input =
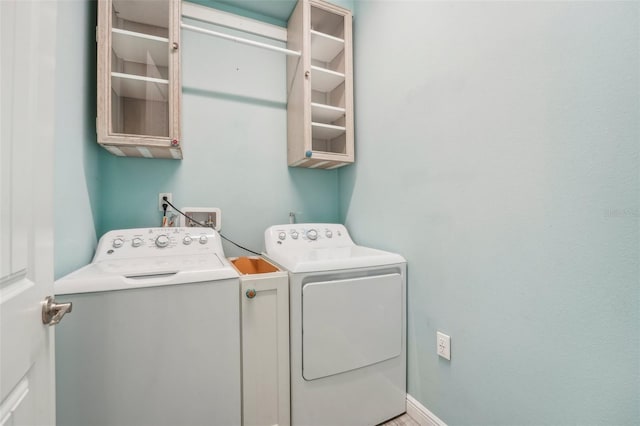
(76, 174)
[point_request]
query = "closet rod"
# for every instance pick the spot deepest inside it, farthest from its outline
(240, 40)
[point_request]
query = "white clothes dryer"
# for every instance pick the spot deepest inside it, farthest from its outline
(155, 334)
(347, 325)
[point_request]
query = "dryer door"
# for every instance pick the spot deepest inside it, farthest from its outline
(350, 323)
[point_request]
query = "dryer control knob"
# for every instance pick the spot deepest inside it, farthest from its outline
(329, 234)
(162, 241)
(294, 235)
(187, 240)
(312, 234)
(282, 236)
(118, 242)
(136, 242)
(203, 239)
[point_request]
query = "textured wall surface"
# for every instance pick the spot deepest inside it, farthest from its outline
(76, 177)
(497, 149)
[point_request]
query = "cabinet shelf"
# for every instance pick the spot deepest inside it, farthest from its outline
(320, 92)
(325, 80)
(324, 47)
(141, 48)
(139, 87)
(326, 131)
(326, 113)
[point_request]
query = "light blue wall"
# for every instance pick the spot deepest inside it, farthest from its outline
(76, 173)
(235, 147)
(497, 149)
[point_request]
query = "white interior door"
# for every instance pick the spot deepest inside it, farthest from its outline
(27, 66)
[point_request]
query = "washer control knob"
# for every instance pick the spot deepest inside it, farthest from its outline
(203, 239)
(136, 242)
(187, 240)
(294, 235)
(118, 242)
(329, 234)
(282, 236)
(162, 241)
(312, 234)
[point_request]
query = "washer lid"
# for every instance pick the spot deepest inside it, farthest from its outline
(335, 258)
(130, 273)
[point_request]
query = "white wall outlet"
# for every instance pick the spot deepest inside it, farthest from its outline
(443, 345)
(161, 201)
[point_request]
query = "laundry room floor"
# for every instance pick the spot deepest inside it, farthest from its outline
(403, 420)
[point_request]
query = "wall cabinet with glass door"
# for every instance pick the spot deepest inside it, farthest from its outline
(139, 78)
(320, 83)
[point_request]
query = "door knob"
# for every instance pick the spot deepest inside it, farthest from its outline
(53, 312)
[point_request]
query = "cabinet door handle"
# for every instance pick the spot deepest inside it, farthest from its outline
(175, 46)
(251, 293)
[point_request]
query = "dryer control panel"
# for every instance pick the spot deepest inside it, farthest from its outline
(151, 242)
(301, 236)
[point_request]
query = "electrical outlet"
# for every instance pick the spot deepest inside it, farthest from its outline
(443, 345)
(161, 201)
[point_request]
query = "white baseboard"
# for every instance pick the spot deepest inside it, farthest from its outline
(421, 414)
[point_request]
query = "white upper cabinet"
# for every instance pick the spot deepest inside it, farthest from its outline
(139, 78)
(320, 82)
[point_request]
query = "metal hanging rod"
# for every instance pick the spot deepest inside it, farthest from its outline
(240, 40)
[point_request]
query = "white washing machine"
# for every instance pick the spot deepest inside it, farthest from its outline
(348, 326)
(154, 336)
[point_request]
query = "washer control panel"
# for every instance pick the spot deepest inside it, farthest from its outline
(147, 242)
(301, 236)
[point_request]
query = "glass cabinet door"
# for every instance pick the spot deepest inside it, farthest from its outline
(140, 67)
(320, 86)
(328, 81)
(139, 78)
